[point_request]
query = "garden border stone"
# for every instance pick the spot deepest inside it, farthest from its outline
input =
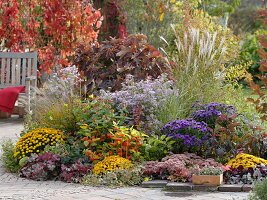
(177, 186)
(204, 188)
(154, 184)
(230, 188)
(247, 188)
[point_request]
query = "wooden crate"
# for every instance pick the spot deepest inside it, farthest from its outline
(18, 110)
(4, 114)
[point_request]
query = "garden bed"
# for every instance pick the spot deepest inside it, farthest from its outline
(120, 111)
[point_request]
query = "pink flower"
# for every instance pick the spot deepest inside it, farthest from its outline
(226, 167)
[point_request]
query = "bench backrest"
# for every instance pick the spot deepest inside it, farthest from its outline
(16, 67)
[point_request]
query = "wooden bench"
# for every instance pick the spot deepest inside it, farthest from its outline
(19, 69)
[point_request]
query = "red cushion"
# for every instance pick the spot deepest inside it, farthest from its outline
(8, 98)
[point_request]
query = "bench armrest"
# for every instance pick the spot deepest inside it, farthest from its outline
(30, 78)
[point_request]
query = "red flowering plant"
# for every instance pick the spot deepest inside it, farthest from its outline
(101, 135)
(120, 140)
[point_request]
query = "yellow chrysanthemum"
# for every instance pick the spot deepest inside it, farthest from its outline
(246, 160)
(112, 163)
(36, 140)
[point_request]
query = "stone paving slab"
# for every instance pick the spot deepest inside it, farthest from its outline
(16, 188)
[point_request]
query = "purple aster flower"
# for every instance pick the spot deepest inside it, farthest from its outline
(189, 131)
(209, 113)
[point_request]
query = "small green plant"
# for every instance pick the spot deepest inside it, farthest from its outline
(259, 191)
(119, 177)
(157, 147)
(69, 151)
(10, 163)
(210, 170)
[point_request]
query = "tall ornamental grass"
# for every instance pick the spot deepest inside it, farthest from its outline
(197, 63)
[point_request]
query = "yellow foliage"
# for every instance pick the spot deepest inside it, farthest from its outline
(161, 17)
(237, 73)
(112, 163)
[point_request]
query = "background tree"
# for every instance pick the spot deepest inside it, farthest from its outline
(260, 89)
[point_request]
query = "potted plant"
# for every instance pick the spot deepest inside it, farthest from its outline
(208, 175)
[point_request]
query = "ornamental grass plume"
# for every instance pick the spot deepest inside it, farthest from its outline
(246, 161)
(112, 163)
(36, 140)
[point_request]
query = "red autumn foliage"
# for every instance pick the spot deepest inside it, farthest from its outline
(261, 89)
(54, 28)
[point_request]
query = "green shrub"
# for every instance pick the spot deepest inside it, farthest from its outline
(259, 191)
(69, 152)
(237, 96)
(157, 147)
(249, 50)
(98, 114)
(10, 163)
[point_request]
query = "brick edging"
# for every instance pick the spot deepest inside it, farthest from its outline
(176, 186)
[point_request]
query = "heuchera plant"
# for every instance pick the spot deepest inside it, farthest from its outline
(74, 172)
(243, 175)
(187, 133)
(48, 166)
(41, 167)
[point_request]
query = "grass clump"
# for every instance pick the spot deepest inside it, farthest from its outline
(10, 163)
(259, 191)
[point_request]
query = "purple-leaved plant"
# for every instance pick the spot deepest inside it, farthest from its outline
(48, 166)
(41, 167)
(75, 171)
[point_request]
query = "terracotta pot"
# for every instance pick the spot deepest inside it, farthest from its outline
(207, 179)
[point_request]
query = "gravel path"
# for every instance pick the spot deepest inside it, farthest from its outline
(16, 188)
